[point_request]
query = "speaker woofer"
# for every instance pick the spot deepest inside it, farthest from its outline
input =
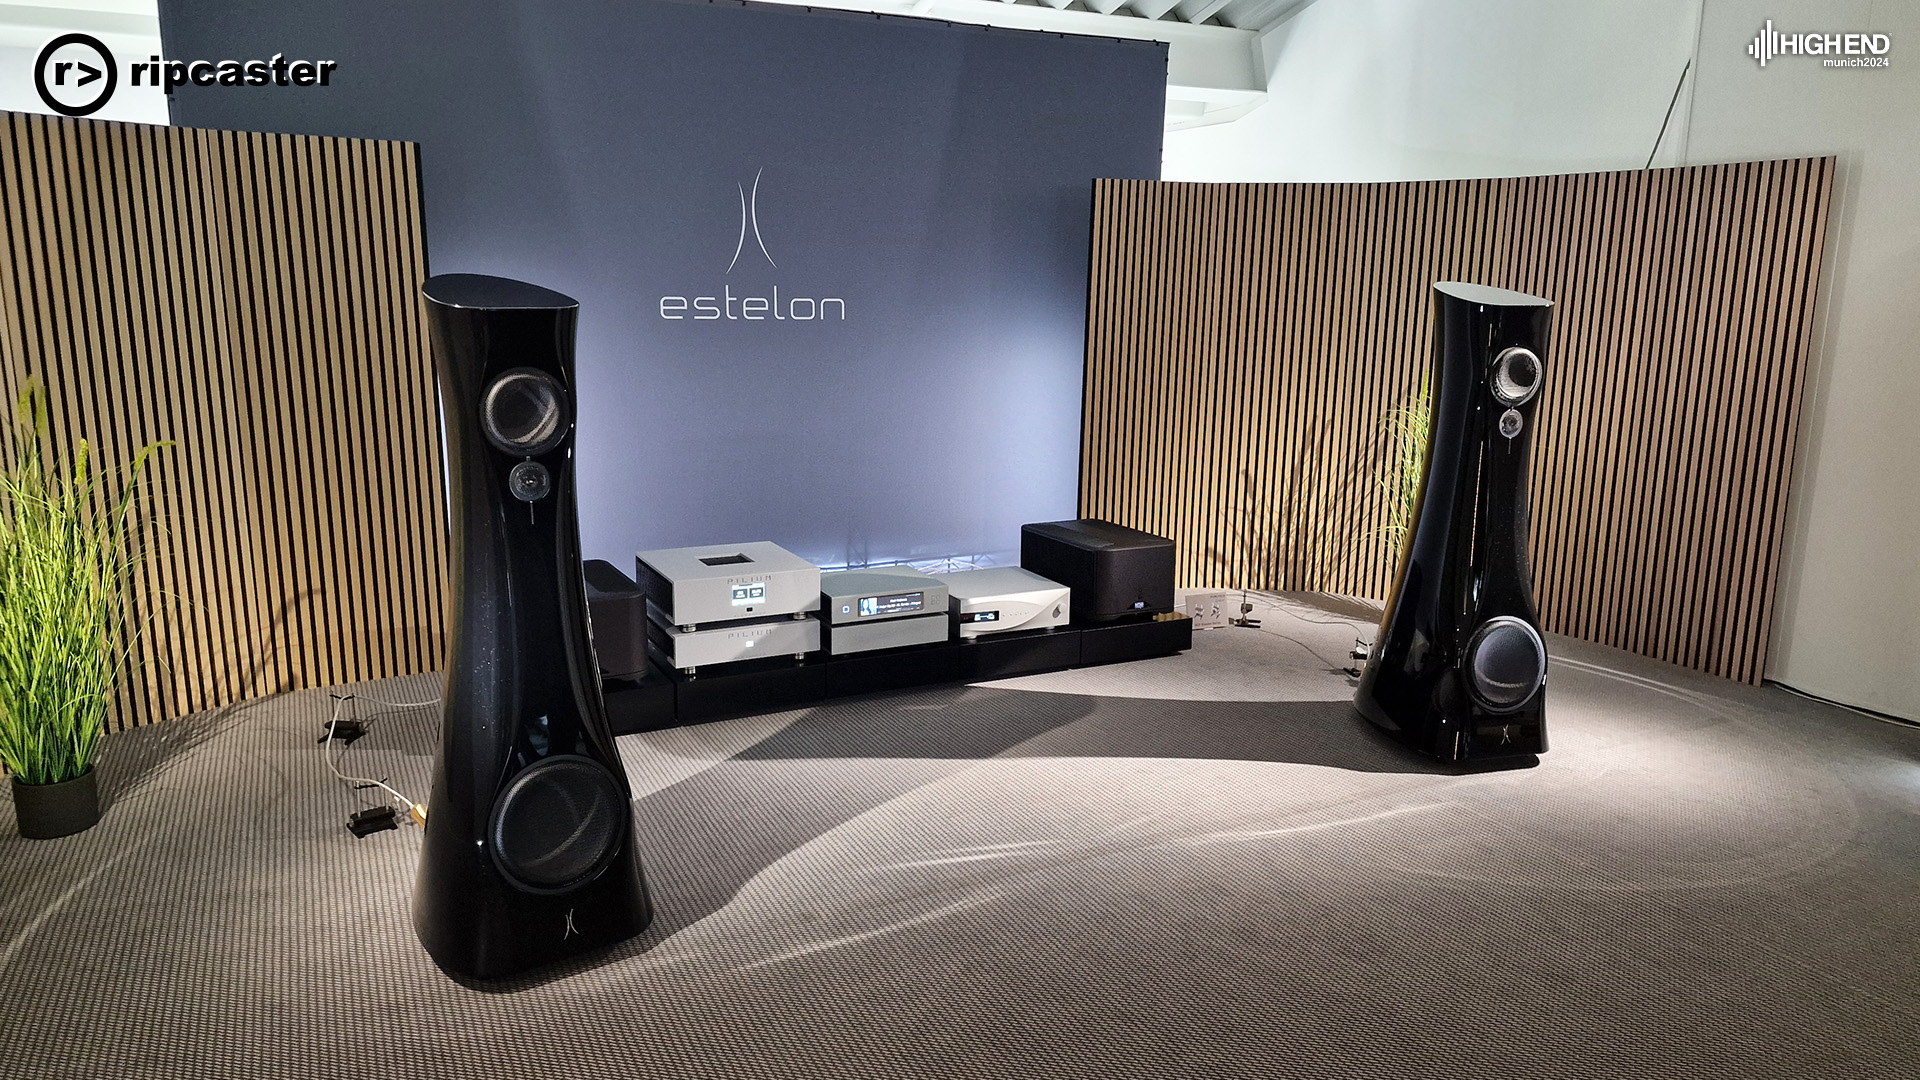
(524, 412)
(558, 823)
(1505, 664)
(1516, 376)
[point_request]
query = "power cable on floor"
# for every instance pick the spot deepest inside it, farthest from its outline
(1276, 603)
(1885, 718)
(339, 732)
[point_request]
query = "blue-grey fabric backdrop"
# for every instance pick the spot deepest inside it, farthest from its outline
(933, 178)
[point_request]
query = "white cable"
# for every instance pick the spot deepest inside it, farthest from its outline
(1628, 676)
(1331, 666)
(1885, 718)
(364, 781)
(397, 704)
(1289, 606)
(1281, 605)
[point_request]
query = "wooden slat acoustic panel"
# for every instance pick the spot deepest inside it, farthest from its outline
(1246, 342)
(254, 299)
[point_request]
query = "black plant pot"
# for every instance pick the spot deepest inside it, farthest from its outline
(49, 810)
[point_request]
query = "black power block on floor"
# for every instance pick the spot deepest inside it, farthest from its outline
(344, 730)
(372, 820)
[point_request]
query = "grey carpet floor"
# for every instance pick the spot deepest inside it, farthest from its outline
(1196, 866)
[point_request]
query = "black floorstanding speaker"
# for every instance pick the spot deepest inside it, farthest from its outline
(529, 853)
(1458, 669)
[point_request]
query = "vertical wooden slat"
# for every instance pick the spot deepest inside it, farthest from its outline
(255, 299)
(1245, 343)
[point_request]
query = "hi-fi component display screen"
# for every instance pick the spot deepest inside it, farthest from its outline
(980, 616)
(748, 593)
(892, 604)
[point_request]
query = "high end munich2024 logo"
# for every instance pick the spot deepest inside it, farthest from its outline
(1849, 50)
(733, 307)
(75, 74)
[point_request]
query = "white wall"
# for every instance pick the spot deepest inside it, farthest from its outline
(1848, 624)
(1425, 89)
(1367, 90)
(130, 29)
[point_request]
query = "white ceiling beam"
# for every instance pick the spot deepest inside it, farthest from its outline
(1199, 11)
(1204, 57)
(1188, 107)
(1260, 14)
(1152, 9)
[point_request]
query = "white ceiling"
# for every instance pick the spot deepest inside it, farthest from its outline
(1214, 70)
(130, 28)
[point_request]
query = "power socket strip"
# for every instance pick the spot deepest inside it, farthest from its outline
(372, 820)
(1208, 610)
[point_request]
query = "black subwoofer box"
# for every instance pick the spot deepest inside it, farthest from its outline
(1114, 572)
(618, 612)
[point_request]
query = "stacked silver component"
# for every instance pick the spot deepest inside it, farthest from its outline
(1004, 598)
(883, 607)
(728, 602)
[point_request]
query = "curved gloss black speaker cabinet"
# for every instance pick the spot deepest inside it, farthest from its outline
(1459, 669)
(529, 853)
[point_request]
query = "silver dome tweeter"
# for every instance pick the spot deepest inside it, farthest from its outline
(1516, 376)
(529, 481)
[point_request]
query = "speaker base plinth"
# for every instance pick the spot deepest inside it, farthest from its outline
(1458, 738)
(472, 935)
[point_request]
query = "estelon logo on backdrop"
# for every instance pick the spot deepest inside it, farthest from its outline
(1840, 50)
(752, 308)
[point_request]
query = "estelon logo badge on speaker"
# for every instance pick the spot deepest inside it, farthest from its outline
(751, 308)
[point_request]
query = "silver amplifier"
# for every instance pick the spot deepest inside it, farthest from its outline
(725, 644)
(727, 582)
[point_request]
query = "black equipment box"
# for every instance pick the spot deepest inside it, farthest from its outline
(1114, 571)
(669, 698)
(618, 611)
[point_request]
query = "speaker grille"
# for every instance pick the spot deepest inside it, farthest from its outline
(1516, 376)
(524, 412)
(1505, 663)
(558, 823)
